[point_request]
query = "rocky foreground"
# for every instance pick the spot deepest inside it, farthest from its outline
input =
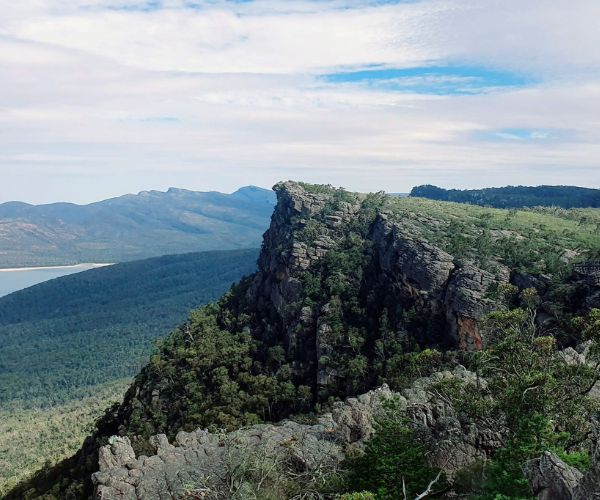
(202, 464)
(205, 464)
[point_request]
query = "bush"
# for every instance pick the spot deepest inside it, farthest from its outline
(392, 457)
(363, 495)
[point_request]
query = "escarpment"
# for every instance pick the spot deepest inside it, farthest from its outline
(350, 290)
(393, 271)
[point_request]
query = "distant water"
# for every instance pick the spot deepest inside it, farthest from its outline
(12, 280)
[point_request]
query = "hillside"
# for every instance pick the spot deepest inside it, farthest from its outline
(33, 437)
(353, 291)
(69, 347)
(132, 227)
(515, 196)
(347, 283)
(61, 337)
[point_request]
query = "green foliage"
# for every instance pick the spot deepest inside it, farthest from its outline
(515, 196)
(363, 495)
(35, 438)
(527, 376)
(588, 326)
(89, 328)
(578, 459)
(225, 382)
(534, 435)
(535, 241)
(310, 232)
(541, 399)
(392, 457)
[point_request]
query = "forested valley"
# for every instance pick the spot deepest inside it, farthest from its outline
(69, 346)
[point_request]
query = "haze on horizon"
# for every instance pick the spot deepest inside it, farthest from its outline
(100, 98)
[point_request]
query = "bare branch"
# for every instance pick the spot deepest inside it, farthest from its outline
(429, 486)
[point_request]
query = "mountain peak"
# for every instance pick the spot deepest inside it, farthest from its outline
(254, 194)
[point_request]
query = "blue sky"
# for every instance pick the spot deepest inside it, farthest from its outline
(440, 80)
(102, 98)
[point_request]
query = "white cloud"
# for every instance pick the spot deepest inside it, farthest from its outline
(229, 94)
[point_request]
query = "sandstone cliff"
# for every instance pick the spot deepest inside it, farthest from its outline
(407, 274)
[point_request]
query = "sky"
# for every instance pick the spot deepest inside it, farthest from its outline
(100, 98)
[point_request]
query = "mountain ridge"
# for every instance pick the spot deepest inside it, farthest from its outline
(132, 227)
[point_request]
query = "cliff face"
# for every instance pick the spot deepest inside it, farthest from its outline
(344, 290)
(403, 274)
(429, 277)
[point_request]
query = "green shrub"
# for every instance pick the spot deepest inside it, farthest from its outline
(392, 457)
(363, 495)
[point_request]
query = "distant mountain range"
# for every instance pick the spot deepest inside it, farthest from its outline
(515, 196)
(130, 227)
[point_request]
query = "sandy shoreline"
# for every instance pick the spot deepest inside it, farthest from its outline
(91, 265)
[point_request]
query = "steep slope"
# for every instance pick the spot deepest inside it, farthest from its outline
(515, 196)
(61, 337)
(347, 283)
(349, 287)
(132, 227)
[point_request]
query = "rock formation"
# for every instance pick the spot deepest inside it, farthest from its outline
(201, 464)
(412, 273)
(551, 479)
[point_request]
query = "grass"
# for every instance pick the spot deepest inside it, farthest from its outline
(541, 235)
(32, 438)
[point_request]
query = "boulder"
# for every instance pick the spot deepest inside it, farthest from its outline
(551, 479)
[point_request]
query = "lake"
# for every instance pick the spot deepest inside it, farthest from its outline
(12, 280)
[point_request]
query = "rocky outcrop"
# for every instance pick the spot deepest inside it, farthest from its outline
(211, 462)
(453, 441)
(467, 300)
(551, 479)
(422, 269)
(286, 255)
(429, 278)
(409, 275)
(415, 274)
(203, 463)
